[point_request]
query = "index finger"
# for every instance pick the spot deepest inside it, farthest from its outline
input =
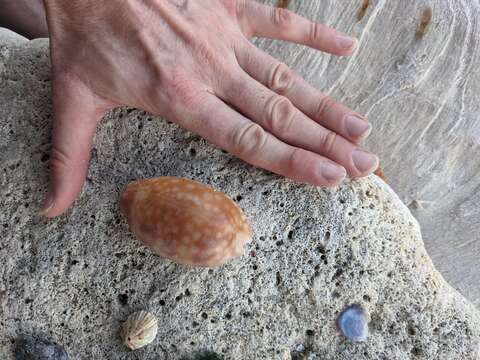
(218, 123)
(282, 24)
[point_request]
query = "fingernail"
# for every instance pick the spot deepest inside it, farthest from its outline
(364, 161)
(332, 172)
(346, 42)
(357, 128)
(47, 204)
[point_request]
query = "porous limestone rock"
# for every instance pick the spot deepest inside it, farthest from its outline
(421, 96)
(8, 37)
(74, 280)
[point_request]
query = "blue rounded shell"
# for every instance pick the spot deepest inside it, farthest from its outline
(353, 323)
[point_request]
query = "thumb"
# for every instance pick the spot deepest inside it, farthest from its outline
(76, 114)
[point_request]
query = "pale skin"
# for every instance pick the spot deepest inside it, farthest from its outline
(191, 61)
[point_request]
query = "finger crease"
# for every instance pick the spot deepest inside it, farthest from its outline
(60, 158)
(281, 80)
(323, 106)
(329, 142)
(314, 32)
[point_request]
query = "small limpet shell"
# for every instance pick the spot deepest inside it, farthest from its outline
(139, 330)
(353, 323)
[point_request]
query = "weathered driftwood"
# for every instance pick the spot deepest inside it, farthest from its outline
(416, 77)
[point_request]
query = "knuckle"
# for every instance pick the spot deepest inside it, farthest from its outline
(282, 18)
(249, 140)
(180, 90)
(60, 161)
(324, 106)
(220, 60)
(183, 91)
(315, 32)
(203, 50)
(328, 142)
(282, 79)
(210, 56)
(280, 114)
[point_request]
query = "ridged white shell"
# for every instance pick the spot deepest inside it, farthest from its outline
(139, 330)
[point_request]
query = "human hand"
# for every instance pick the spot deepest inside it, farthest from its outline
(186, 60)
(25, 17)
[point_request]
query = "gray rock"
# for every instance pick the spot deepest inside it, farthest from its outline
(8, 37)
(315, 251)
(28, 348)
(421, 96)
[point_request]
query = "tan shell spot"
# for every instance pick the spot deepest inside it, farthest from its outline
(186, 221)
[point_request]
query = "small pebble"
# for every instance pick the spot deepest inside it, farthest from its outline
(353, 323)
(300, 348)
(27, 348)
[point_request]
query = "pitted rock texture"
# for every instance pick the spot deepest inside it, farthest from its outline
(421, 96)
(75, 279)
(32, 349)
